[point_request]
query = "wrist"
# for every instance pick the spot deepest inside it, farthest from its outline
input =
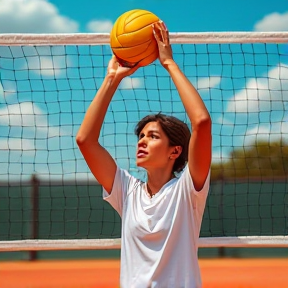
(112, 79)
(110, 75)
(170, 64)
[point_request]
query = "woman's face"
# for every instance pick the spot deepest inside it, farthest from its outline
(153, 148)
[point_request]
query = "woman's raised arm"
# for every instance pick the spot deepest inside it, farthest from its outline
(199, 157)
(100, 162)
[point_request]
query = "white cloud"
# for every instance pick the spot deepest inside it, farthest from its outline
(27, 114)
(267, 132)
(8, 95)
(208, 82)
(17, 144)
(219, 156)
(223, 121)
(260, 93)
(131, 83)
(273, 22)
(33, 16)
(262, 105)
(47, 66)
(10, 88)
(22, 114)
(97, 26)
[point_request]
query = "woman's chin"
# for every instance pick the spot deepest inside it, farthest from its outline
(140, 163)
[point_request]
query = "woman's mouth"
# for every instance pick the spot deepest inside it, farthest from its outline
(141, 153)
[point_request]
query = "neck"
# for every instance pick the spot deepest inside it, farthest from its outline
(156, 181)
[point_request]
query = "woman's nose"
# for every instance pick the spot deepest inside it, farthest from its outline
(142, 142)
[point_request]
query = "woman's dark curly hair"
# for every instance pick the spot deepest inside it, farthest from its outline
(177, 132)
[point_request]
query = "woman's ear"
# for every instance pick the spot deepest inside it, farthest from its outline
(176, 152)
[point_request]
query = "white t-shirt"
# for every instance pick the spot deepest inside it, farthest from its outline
(159, 242)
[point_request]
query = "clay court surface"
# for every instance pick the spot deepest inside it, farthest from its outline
(216, 273)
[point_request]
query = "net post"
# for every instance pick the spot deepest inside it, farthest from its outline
(35, 213)
(221, 250)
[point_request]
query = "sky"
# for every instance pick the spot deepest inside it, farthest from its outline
(245, 92)
(59, 16)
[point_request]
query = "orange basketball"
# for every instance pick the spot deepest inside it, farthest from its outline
(132, 40)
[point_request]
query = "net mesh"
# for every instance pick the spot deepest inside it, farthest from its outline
(46, 89)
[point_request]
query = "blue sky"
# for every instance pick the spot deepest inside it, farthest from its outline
(182, 15)
(32, 16)
(43, 96)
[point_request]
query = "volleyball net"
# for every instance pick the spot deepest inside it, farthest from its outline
(48, 197)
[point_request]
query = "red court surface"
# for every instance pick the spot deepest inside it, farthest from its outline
(216, 273)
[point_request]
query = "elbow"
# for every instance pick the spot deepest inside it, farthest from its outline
(203, 122)
(81, 140)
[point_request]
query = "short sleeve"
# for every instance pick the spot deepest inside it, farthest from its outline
(187, 182)
(121, 185)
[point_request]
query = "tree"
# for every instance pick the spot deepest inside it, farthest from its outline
(263, 159)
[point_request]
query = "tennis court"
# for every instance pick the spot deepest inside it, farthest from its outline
(216, 273)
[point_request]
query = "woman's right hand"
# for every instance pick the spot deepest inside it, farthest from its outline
(116, 71)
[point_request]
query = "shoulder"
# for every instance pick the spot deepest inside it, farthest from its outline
(123, 184)
(127, 180)
(185, 181)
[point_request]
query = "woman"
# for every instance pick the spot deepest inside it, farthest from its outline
(161, 218)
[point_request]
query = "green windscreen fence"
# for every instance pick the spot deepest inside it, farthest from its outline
(234, 208)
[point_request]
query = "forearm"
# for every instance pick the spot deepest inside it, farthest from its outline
(192, 101)
(95, 114)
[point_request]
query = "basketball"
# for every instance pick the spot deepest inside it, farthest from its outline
(132, 40)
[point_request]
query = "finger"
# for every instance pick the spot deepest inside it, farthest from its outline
(163, 25)
(158, 35)
(156, 31)
(165, 32)
(161, 32)
(162, 35)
